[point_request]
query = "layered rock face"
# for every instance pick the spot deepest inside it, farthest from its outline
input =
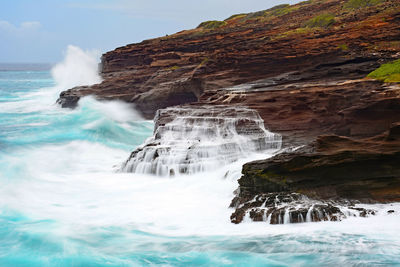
(177, 69)
(331, 168)
(302, 110)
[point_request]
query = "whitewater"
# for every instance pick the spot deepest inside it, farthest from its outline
(65, 202)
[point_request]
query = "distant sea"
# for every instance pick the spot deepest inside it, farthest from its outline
(26, 66)
(64, 203)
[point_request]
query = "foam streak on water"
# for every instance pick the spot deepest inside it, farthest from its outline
(62, 203)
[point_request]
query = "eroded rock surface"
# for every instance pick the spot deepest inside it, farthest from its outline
(283, 208)
(177, 69)
(301, 111)
(330, 168)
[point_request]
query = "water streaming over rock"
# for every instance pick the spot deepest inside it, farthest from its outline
(189, 140)
(284, 208)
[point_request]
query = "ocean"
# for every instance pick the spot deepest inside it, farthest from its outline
(64, 202)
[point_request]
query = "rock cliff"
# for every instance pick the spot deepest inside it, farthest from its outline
(304, 69)
(322, 35)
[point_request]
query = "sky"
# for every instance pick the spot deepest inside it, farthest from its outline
(40, 30)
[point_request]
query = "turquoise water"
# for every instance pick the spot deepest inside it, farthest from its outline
(62, 202)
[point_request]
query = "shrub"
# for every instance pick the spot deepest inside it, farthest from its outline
(343, 47)
(280, 10)
(173, 68)
(275, 11)
(204, 61)
(356, 4)
(389, 72)
(298, 31)
(236, 16)
(212, 24)
(254, 15)
(321, 21)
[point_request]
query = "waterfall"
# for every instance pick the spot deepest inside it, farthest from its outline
(308, 216)
(286, 217)
(189, 140)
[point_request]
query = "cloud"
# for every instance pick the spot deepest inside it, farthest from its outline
(30, 25)
(5, 25)
(26, 26)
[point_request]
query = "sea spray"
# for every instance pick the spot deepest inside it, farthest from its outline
(78, 68)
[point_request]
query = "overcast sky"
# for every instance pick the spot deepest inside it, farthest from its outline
(40, 30)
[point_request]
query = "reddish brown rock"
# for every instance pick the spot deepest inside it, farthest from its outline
(301, 111)
(331, 167)
(176, 69)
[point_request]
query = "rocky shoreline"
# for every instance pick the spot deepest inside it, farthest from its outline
(303, 68)
(283, 208)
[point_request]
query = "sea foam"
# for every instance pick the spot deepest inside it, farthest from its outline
(62, 203)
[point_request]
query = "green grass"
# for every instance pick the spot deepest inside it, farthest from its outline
(204, 61)
(255, 15)
(280, 10)
(306, 2)
(343, 47)
(389, 72)
(212, 24)
(173, 68)
(236, 16)
(320, 21)
(298, 31)
(356, 4)
(275, 11)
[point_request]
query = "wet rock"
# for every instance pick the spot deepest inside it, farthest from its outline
(257, 215)
(68, 99)
(283, 208)
(331, 167)
(237, 216)
(364, 212)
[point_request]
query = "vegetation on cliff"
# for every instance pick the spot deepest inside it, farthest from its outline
(389, 72)
(321, 21)
(275, 11)
(212, 24)
(356, 4)
(307, 18)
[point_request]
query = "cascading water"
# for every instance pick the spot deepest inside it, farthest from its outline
(285, 208)
(202, 139)
(188, 140)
